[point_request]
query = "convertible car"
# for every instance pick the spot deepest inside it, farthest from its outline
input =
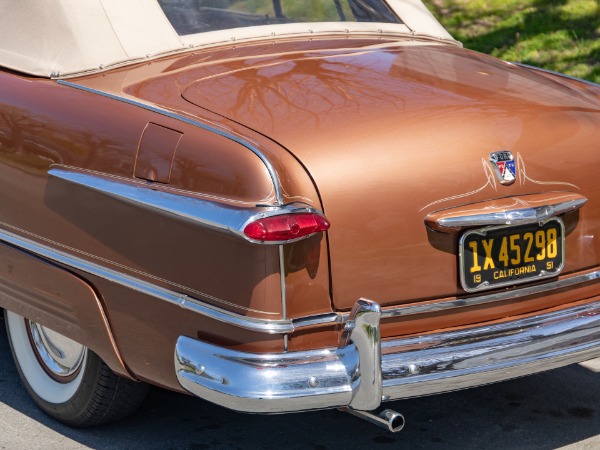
(282, 206)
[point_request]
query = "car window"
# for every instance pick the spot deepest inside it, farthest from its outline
(197, 16)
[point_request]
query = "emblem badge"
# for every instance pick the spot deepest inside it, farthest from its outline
(504, 166)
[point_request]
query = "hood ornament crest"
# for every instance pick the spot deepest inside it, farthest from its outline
(504, 166)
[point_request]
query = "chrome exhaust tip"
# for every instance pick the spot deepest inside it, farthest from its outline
(389, 419)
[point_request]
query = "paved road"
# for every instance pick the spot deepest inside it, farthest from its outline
(552, 410)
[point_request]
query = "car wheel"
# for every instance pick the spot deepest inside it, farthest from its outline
(67, 380)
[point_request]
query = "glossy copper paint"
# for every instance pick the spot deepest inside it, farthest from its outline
(459, 318)
(376, 133)
(427, 117)
(154, 158)
(391, 133)
(58, 299)
(307, 282)
(140, 242)
(147, 330)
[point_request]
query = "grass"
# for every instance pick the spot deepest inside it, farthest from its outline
(560, 35)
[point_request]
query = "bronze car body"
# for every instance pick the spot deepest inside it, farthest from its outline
(126, 193)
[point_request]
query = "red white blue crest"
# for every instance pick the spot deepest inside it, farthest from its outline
(504, 166)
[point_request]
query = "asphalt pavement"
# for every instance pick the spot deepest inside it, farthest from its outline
(556, 409)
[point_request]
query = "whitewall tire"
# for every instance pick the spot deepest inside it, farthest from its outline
(65, 379)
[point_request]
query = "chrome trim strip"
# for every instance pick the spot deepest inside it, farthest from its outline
(186, 302)
(569, 77)
(272, 326)
(207, 213)
(283, 292)
(272, 172)
(490, 298)
(512, 217)
(410, 367)
(432, 307)
(269, 325)
(320, 319)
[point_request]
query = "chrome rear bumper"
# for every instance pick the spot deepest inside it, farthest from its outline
(363, 370)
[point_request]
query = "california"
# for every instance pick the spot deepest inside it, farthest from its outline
(514, 272)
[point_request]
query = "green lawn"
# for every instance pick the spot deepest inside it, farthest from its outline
(560, 35)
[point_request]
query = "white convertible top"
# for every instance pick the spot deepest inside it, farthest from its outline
(58, 38)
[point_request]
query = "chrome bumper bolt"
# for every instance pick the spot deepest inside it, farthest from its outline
(414, 369)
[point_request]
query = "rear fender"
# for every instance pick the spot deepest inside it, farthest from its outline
(58, 299)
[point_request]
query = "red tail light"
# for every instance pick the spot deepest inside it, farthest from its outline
(286, 227)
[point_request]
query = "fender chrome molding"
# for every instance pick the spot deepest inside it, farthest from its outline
(269, 326)
(273, 326)
(272, 172)
(211, 214)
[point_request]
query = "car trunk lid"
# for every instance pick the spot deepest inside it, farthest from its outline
(392, 133)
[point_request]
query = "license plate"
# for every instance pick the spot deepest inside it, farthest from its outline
(508, 255)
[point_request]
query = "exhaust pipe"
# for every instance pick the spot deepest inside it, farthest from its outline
(388, 419)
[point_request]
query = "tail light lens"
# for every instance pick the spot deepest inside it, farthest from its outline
(286, 227)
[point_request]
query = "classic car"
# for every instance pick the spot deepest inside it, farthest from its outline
(283, 206)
